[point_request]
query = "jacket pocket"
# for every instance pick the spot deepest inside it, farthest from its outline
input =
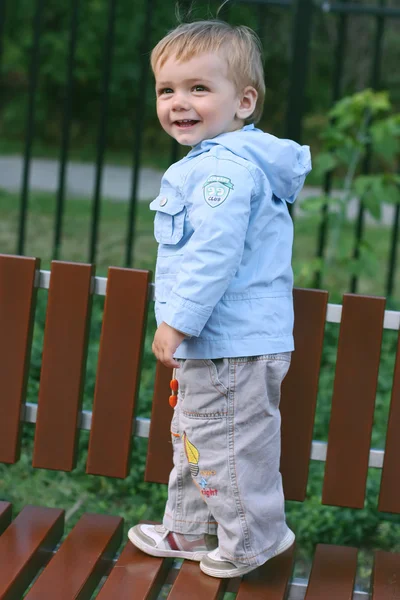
(170, 218)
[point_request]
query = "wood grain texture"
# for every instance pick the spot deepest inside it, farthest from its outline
(194, 584)
(159, 454)
(17, 313)
(118, 372)
(270, 581)
(135, 575)
(353, 401)
(333, 573)
(299, 390)
(63, 366)
(386, 576)
(25, 546)
(81, 561)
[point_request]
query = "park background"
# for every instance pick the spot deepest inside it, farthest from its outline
(82, 155)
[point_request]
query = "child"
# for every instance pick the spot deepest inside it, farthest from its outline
(223, 300)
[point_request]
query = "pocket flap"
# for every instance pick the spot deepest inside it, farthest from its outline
(169, 219)
(168, 203)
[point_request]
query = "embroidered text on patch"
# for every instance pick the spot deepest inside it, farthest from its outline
(216, 189)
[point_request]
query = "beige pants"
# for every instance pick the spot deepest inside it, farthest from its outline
(226, 444)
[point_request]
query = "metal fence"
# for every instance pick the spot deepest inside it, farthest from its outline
(302, 14)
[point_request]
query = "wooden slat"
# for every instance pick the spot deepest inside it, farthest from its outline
(270, 581)
(389, 498)
(299, 391)
(17, 309)
(353, 401)
(135, 575)
(386, 576)
(25, 546)
(159, 453)
(118, 371)
(81, 561)
(63, 366)
(192, 583)
(5, 515)
(333, 573)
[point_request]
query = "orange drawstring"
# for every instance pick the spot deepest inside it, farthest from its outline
(174, 385)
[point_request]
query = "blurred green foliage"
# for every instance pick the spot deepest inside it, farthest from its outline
(132, 48)
(359, 127)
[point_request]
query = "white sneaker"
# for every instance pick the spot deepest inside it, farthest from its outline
(158, 541)
(215, 566)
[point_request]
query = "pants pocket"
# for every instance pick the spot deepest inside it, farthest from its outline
(202, 393)
(219, 372)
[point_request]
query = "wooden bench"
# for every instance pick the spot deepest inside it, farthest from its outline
(94, 549)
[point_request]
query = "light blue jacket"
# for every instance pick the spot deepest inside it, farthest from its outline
(223, 273)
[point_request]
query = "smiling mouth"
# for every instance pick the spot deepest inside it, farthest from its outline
(185, 123)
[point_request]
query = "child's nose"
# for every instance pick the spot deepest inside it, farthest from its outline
(180, 102)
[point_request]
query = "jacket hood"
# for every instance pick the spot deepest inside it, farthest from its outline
(284, 162)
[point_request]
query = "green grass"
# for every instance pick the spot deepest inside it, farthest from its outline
(373, 271)
(112, 236)
(132, 498)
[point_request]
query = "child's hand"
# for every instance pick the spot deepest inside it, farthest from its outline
(166, 341)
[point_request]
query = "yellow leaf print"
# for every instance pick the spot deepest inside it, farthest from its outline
(192, 454)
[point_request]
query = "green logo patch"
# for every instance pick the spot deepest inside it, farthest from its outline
(216, 189)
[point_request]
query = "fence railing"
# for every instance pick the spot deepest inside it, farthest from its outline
(303, 14)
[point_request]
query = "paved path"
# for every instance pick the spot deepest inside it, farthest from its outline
(80, 178)
(116, 183)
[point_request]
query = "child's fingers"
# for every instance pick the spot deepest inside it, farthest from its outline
(168, 360)
(165, 356)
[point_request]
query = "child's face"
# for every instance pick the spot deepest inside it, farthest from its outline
(195, 99)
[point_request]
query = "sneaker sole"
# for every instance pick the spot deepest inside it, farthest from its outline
(162, 553)
(285, 544)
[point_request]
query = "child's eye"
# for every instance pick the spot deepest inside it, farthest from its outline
(199, 88)
(164, 91)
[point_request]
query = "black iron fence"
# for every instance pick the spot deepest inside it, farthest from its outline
(302, 16)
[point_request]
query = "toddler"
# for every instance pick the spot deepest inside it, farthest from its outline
(223, 300)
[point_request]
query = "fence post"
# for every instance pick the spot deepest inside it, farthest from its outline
(340, 53)
(102, 133)
(2, 22)
(30, 120)
(299, 66)
(375, 84)
(144, 51)
(66, 127)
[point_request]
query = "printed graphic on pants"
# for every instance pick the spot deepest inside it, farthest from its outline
(205, 489)
(192, 454)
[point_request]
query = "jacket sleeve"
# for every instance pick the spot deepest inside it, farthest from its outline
(218, 193)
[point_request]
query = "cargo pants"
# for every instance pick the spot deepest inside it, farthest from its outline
(226, 450)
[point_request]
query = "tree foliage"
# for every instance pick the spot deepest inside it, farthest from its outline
(130, 55)
(362, 129)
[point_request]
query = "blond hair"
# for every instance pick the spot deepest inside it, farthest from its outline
(240, 45)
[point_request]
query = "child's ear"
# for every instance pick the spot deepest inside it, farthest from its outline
(248, 100)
